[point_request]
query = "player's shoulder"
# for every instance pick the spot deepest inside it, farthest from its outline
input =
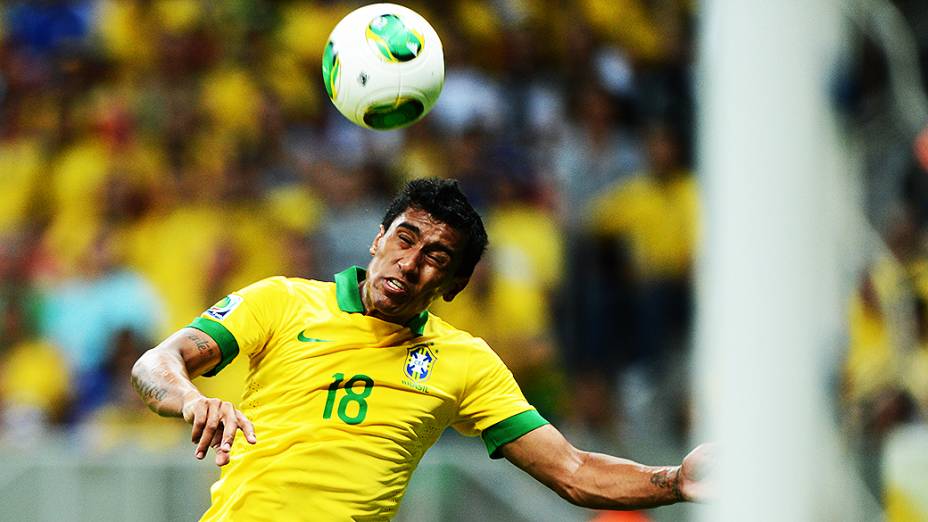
(470, 350)
(308, 285)
(444, 332)
(298, 287)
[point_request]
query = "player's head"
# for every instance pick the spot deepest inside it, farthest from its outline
(429, 242)
(444, 201)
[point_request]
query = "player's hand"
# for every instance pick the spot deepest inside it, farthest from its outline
(696, 482)
(215, 423)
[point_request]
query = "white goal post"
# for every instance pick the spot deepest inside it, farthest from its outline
(780, 208)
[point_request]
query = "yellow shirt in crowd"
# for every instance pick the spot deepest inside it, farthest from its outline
(658, 218)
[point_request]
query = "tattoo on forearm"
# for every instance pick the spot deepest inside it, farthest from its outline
(668, 478)
(149, 391)
(201, 344)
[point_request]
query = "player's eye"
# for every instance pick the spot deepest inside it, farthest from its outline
(405, 239)
(439, 259)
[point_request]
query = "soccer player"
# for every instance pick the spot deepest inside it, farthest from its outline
(351, 381)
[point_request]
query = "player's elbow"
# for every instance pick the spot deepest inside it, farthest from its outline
(139, 369)
(140, 375)
(138, 366)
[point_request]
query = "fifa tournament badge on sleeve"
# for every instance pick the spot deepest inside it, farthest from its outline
(220, 310)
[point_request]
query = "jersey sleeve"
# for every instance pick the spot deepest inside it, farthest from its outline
(493, 405)
(244, 320)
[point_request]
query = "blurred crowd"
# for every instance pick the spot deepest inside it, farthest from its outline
(882, 384)
(156, 155)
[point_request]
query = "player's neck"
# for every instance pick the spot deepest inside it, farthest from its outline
(371, 311)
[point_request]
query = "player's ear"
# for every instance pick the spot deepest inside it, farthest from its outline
(457, 285)
(375, 245)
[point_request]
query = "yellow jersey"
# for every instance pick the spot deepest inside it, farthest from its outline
(344, 404)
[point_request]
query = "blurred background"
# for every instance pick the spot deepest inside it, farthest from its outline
(156, 155)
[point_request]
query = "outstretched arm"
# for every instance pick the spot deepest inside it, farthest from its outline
(598, 481)
(162, 377)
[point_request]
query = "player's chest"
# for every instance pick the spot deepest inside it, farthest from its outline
(342, 377)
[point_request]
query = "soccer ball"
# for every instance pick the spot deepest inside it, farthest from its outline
(383, 67)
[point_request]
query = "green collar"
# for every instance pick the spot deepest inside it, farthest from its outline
(349, 298)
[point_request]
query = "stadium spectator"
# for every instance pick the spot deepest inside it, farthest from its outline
(646, 226)
(83, 314)
(35, 385)
(654, 214)
(884, 374)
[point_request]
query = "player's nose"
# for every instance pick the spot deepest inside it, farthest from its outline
(408, 263)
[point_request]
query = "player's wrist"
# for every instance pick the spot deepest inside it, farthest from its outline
(188, 401)
(669, 481)
(677, 485)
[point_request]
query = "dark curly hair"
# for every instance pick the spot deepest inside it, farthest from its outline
(444, 200)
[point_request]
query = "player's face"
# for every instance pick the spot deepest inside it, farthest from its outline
(414, 262)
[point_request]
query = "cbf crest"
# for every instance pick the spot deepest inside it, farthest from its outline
(420, 360)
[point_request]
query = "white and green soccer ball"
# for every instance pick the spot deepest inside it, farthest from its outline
(383, 66)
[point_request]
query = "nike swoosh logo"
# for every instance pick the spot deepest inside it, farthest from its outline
(305, 339)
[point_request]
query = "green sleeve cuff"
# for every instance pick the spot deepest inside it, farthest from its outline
(228, 346)
(511, 429)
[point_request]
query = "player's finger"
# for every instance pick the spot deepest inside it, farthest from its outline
(199, 422)
(248, 429)
(209, 429)
(229, 426)
(217, 438)
(222, 455)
